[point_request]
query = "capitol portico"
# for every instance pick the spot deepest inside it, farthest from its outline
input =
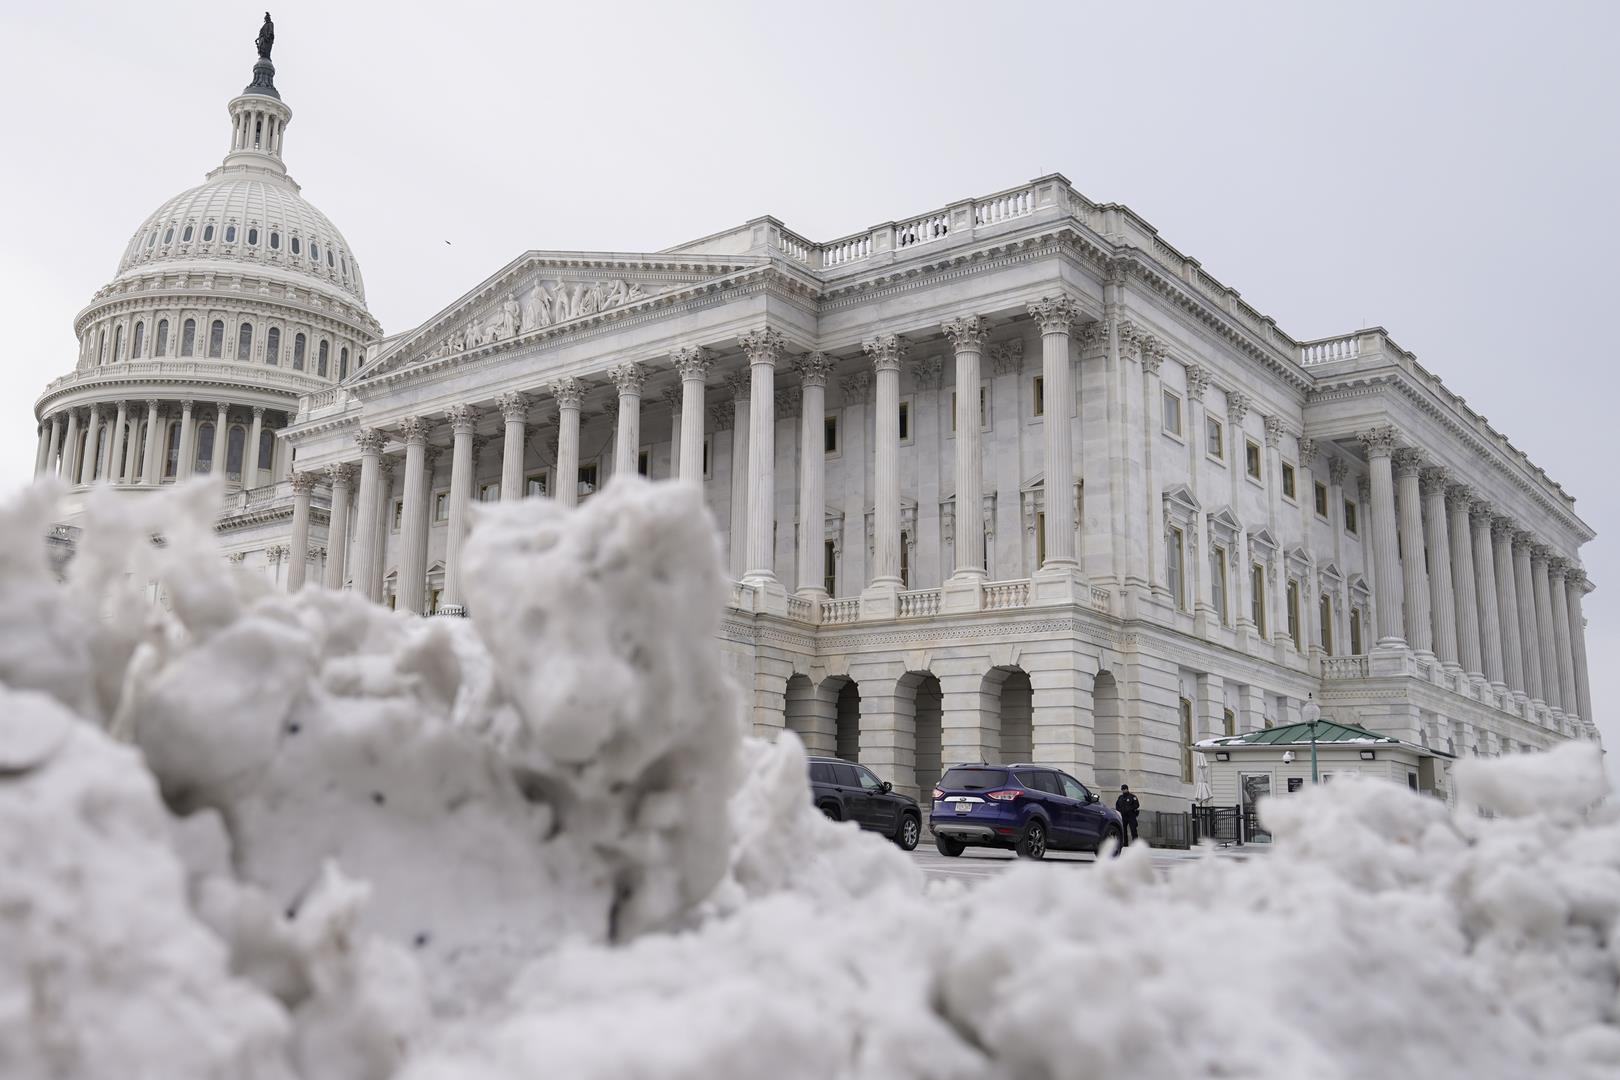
(1010, 479)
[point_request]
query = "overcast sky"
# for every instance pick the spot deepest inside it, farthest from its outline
(1445, 170)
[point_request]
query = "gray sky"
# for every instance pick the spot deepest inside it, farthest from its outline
(1446, 170)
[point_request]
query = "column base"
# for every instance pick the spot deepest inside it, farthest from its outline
(881, 600)
(1054, 585)
(963, 592)
(770, 595)
(1388, 659)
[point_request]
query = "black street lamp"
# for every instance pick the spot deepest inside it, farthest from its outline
(1311, 713)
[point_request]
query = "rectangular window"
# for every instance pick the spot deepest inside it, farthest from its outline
(1040, 396)
(537, 483)
(1293, 613)
(1172, 413)
(1186, 741)
(1350, 517)
(1257, 597)
(1173, 566)
(984, 409)
(587, 479)
(830, 569)
(905, 421)
(1229, 723)
(441, 506)
(1324, 618)
(490, 492)
(1214, 438)
(829, 439)
(1217, 583)
(1288, 481)
(1321, 500)
(644, 463)
(905, 561)
(399, 513)
(1040, 539)
(708, 468)
(1355, 631)
(1251, 458)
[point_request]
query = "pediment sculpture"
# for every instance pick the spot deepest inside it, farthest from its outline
(543, 305)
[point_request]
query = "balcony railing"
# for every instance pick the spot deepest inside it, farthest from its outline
(1344, 667)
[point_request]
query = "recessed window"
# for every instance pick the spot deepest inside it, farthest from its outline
(1324, 618)
(298, 352)
(441, 506)
(1251, 458)
(162, 344)
(1038, 388)
(151, 238)
(118, 343)
(1214, 441)
(1350, 517)
(1186, 711)
(1288, 480)
(321, 358)
(644, 464)
(829, 555)
(188, 338)
(168, 234)
(1172, 413)
(244, 341)
(139, 347)
(253, 238)
(1293, 613)
(208, 233)
(295, 247)
(1355, 631)
(1321, 499)
(216, 339)
(272, 346)
(314, 252)
(275, 241)
(535, 484)
(399, 514)
(1257, 597)
(185, 237)
(587, 479)
(905, 421)
(829, 434)
(329, 260)
(343, 363)
(490, 492)
(230, 234)
(1175, 547)
(1217, 583)
(708, 443)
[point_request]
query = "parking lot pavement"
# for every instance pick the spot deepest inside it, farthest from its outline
(976, 864)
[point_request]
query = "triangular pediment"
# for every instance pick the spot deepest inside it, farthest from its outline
(544, 294)
(1180, 498)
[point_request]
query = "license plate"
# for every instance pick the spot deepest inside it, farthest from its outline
(964, 808)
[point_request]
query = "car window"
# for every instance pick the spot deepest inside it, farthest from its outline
(1073, 788)
(868, 781)
(844, 775)
(973, 778)
(821, 772)
(1039, 780)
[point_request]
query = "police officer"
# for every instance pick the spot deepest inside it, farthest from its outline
(1128, 809)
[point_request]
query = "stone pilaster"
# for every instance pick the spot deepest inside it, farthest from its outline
(1464, 582)
(627, 379)
(1442, 603)
(964, 590)
(1490, 618)
(813, 371)
(515, 411)
(303, 484)
(1418, 622)
(341, 477)
(880, 597)
(692, 362)
(412, 582)
(1529, 625)
(1380, 445)
(463, 425)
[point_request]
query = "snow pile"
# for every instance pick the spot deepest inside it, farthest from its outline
(365, 845)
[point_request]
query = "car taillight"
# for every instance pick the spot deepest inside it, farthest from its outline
(939, 793)
(1007, 795)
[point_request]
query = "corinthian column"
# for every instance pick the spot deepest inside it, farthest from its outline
(341, 477)
(886, 352)
(1577, 585)
(463, 423)
(188, 454)
(1419, 631)
(813, 371)
(51, 465)
(367, 515)
(515, 409)
(413, 517)
(42, 454)
(298, 557)
(967, 334)
(1054, 315)
(1507, 604)
(1546, 637)
(569, 393)
(1529, 629)
(627, 378)
(1557, 569)
(1442, 605)
(115, 454)
(250, 458)
(70, 447)
(1490, 619)
(1459, 499)
(692, 362)
(92, 446)
(151, 473)
(1380, 444)
(763, 346)
(740, 385)
(221, 430)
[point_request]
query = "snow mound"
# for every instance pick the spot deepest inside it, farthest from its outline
(353, 844)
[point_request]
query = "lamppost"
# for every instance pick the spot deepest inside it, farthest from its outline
(1311, 713)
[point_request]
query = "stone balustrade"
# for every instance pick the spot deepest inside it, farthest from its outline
(919, 603)
(838, 612)
(1002, 595)
(1328, 350)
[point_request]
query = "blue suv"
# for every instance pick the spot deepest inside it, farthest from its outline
(1030, 809)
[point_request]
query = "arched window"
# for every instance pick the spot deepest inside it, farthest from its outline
(118, 344)
(162, 346)
(320, 362)
(171, 455)
(188, 338)
(234, 442)
(272, 345)
(253, 237)
(168, 234)
(205, 447)
(151, 239)
(208, 233)
(298, 352)
(244, 341)
(295, 245)
(139, 344)
(343, 363)
(314, 251)
(267, 448)
(275, 241)
(216, 339)
(185, 237)
(230, 234)
(329, 261)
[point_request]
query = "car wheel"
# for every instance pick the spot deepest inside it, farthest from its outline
(948, 847)
(1111, 844)
(831, 810)
(909, 833)
(1032, 845)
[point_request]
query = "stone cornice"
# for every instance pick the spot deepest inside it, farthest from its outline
(169, 378)
(178, 289)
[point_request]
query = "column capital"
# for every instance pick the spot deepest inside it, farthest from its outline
(342, 473)
(431, 452)
(1307, 451)
(568, 392)
(222, 406)
(1197, 381)
(1055, 314)
(304, 482)
(1007, 357)
(1459, 497)
(1540, 554)
(1094, 335)
(1154, 352)
(413, 429)
(1409, 461)
(691, 362)
(814, 368)
(787, 401)
(672, 396)
(763, 346)
(1523, 540)
(1364, 487)
(1338, 470)
(855, 385)
(1502, 528)
(1576, 579)
(627, 378)
(258, 411)
(1274, 431)
(463, 419)
(1436, 478)
(513, 405)
(966, 332)
(1379, 441)
(95, 410)
(925, 372)
(719, 418)
(371, 441)
(1237, 407)
(886, 351)
(1482, 512)
(740, 384)
(1557, 568)
(186, 405)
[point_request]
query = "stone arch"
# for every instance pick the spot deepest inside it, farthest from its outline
(1008, 708)
(1108, 716)
(801, 716)
(927, 714)
(846, 717)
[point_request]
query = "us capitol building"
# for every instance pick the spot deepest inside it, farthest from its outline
(1011, 479)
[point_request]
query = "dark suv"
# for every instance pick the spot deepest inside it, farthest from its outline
(848, 792)
(1030, 809)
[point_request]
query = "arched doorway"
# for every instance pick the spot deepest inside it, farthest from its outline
(928, 744)
(1110, 732)
(1007, 705)
(847, 723)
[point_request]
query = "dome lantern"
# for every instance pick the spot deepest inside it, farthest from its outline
(259, 117)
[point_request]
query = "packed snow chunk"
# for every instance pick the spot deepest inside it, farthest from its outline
(104, 971)
(601, 623)
(1564, 782)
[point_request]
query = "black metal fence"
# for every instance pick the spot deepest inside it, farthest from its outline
(1220, 824)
